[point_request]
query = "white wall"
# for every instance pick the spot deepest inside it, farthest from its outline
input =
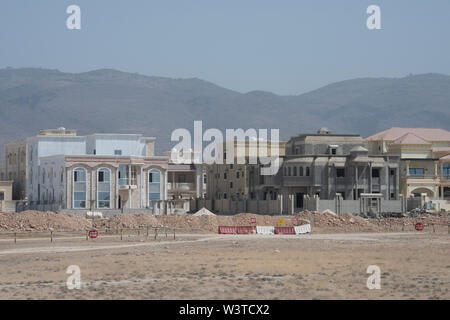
(130, 145)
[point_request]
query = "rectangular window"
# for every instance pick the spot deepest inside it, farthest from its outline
(231, 185)
(204, 178)
(117, 152)
(375, 173)
(392, 171)
(333, 150)
(340, 172)
(418, 171)
(225, 176)
(237, 175)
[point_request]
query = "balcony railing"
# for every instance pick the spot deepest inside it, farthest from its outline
(421, 176)
(127, 182)
(183, 186)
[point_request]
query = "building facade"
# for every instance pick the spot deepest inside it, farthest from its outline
(424, 154)
(103, 182)
(327, 165)
(321, 165)
(14, 167)
(242, 178)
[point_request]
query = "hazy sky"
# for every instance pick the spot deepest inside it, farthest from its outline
(287, 47)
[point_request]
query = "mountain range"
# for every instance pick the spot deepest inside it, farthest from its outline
(111, 101)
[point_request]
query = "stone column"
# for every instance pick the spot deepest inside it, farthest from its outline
(435, 169)
(69, 186)
(116, 187)
(165, 184)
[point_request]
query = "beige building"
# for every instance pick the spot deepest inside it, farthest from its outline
(6, 188)
(185, 181)
(237, 180)
(425, 159)
(103, 182)
(14, 167)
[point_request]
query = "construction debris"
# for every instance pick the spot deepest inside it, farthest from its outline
(203, 212)
(327, 221)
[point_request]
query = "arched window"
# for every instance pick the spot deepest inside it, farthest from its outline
(307, 171)
(295, 171)
(103, 188)
(446, 169)
(154, 186)
(301, 172)
(289, 171)
(79, 188)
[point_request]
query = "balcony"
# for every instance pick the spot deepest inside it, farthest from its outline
(181, 186)
(127, 183)
(296, 181)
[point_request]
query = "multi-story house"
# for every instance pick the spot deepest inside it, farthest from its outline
(186, 181)
(326, 164)
(101, 171)
(14, 167)
(323, 166)
(425, 160)
(238, 180)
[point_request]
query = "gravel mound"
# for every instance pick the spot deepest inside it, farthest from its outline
(42, 221)
(326, 221)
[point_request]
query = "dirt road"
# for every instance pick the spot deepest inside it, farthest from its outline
(315, 266)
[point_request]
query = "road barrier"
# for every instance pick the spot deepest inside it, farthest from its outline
(284, 230)
(306, 228)
(265, 230)
(236, 229)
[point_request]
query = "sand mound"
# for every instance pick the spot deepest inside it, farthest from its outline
(42, 221)
(203, 212)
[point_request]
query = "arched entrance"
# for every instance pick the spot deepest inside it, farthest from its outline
(418, 191)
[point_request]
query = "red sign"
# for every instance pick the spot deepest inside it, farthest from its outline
(294, 221)
(252, 220)
(419, 226)
(93, 234)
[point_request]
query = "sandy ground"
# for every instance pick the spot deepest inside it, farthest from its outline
(414, 265)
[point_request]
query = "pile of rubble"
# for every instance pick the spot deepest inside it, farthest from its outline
(42, 221)
(206, 221)
(348, 222)
(127, 221)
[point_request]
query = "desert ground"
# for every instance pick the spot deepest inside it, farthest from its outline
(414, 265)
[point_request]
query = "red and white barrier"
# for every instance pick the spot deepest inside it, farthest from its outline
(306, 228)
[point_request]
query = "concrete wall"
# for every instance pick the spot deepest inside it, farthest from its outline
(338, 205)
(229, 206)
(130, 145)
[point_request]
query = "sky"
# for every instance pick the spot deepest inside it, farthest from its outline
(285, 47)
